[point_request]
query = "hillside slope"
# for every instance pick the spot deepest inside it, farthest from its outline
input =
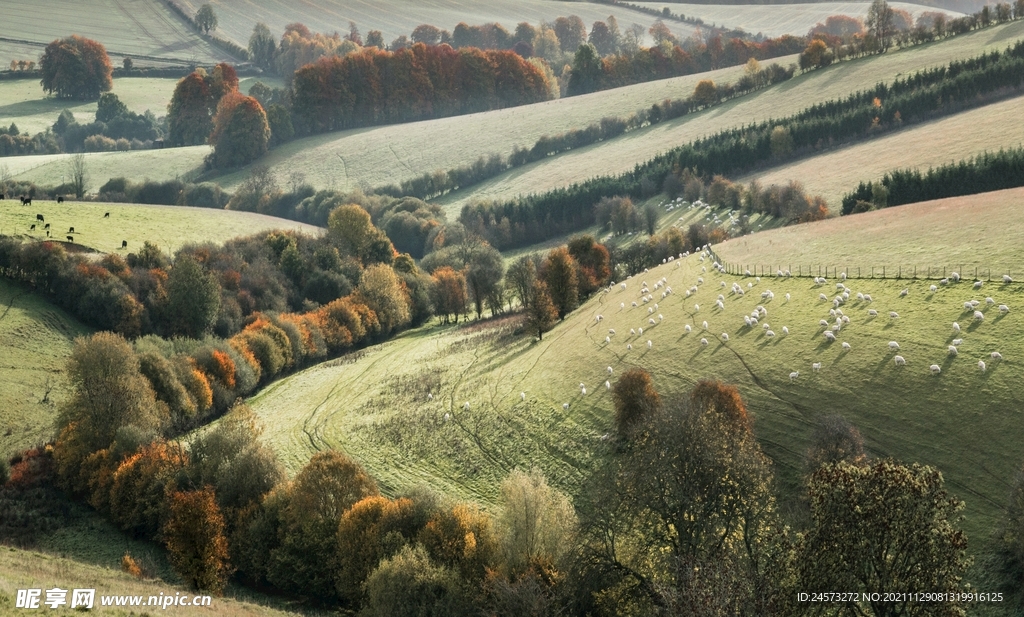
(778, 19)
(835, 173)
(622, 153)
(374, 405)
(125, 27)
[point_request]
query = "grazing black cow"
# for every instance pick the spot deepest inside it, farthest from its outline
(26, 201)
(60, 199)
(47, 234)
(70, 239)
(46, 226)
(124, 244)
(39, 217)
(106, 215)
(71, 230)
(31, 228)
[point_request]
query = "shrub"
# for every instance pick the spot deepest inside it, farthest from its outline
(99, 143)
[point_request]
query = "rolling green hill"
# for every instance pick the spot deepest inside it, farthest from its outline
(36, 338)
(779, 19)
(954, 138)
(622, 153)
(125, 27)
(396, 17)
(167, 226)
(375, 405)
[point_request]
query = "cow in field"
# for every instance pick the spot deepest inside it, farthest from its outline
(32, 228)
(46, 226)
(71, 230)
(106, 215)
(39, 217)
(71, 239)
(60, 199)
(26, 201)
(124, 244)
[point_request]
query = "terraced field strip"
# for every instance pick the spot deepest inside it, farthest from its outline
(170, 227)
(136, 165)
(621, 154)
(397, 17)
(778, 19)
(835, 173)
(975, 231)
(964, 421)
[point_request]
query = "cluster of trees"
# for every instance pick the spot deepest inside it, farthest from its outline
(76, 68)
(682, 514)
(167, 192)
(920, 96)
(374, 87)
(986, 172)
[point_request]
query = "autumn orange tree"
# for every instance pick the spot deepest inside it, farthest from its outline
(241, 133)
(635, 400)
(194, 102)
(541, 314)
(448, 293)
(76, 68)
(194, 534)
(559, 273)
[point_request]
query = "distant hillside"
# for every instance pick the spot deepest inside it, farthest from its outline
(775, 19)
(143, 29)
(960, 6)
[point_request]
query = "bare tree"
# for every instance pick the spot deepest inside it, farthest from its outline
(76, 169)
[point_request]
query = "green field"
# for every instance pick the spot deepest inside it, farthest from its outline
(381, 155)
(125, 27)
(396, 17)
(36, 338)
(24, 103)
(164, 164)
(30, 569)
(833, 174)
(169, 227)
(622, 153)
(778, 19)
(374, 405)
(959, 233)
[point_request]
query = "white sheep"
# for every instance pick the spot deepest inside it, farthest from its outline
(846, 346)
(979, 316)
(845, 319)
(632, 331)
(466, 405)
(634, 305)
(953, 350)
(704, 325)
(640, 331)
(823, 323)
(830, 336)
(607, 339)
(944, 282)
(650, 309)
(661, 317)
(610, 370)
(955, 276)
(769, 334)
(989, 301)
(607, 385)
(720, 305)
(700, 280)
(894, 346)
(447, 417)
(583, 391)
(522, 396)
(867, 297)
(1004, 309)
(696, 308)
(725, 336)
(968, 306)
(816, 366)
(956, 327)
(872, 312)
(823, 297)
(629, 347)
(842, 275)
(894, 315)
(430, 396)
(765, 326)
(704, 342)
(651, 321)
(565, 406)
(1007, 279)
(787, 297)
(649, 344)
(686, 328)
(996, 355)
(746, 320)
(794, 375)
(622, 305)
(785, 330)
(935, 369)
(860, 296)
(977, 284)
(981, 365)
(933, 289)
(899, 361)
(611, 330)
(904, 292)
(957, 341)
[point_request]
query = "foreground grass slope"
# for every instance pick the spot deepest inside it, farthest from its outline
(125, 27)
(779, 19)
(980, 231)
(20, 569)
(36, 339)
(621, 154)
(169, 227)
(397, 17)
(375, 405)
(931, 144)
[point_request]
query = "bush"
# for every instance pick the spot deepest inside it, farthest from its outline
(99, 143)
(410, 584)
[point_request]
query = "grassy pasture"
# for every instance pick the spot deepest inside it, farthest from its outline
(622, 153)
(24, 103)
(975, 231)
(779, 19)
(36, 338)
(380, 155)
(169, 227)
(374, 405)
(125, 27)
(21, 569)
(137, 165)
(396, 17)
(835, 173)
